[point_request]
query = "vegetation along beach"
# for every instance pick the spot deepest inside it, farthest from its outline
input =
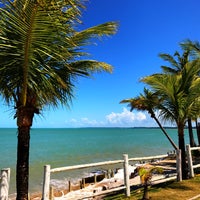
(91, 81)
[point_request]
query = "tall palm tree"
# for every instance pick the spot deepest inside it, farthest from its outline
(177, 105)
(194, 48)
(148, 102)
(177, 64)
(41, 56)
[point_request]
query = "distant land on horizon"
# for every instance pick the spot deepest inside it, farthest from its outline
(138, 127)
(141, 127)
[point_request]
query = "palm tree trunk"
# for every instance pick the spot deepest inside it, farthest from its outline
(181, 140)
(191, 136)
(146, 193)
(22, 174)
(24, 122)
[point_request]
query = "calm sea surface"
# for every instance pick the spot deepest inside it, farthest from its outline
(65, 147)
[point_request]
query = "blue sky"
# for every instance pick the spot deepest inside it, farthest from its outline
(146, 28)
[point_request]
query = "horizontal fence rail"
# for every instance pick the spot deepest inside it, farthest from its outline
(62, 169)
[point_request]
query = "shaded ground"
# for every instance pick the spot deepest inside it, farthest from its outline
(172, 190)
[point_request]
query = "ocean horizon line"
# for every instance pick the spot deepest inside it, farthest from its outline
(100, 127)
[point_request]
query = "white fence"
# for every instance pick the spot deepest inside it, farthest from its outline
(191, 167)
(47, 173)
(4, 183)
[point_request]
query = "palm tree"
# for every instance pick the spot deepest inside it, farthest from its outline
(146, 176)
(148, 102)
(177, 64)
(41, 56)
(177, 105)
(194, 48)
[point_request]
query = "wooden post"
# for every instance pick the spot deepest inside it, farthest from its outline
(4, 183)
(189, 158)
(70, 186)
(126, 175)
(46, 182)
(95, 178)
(83, 182)
(109, 173)
(178, 165)
(112, 173)
(51, 196)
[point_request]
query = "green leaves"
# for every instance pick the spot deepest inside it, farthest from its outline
(41, 51)
(147, 173)
(178, 88)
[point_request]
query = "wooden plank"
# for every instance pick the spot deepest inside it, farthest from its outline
(195, 148)
(60, 169)
(196, 166)
(148, 158)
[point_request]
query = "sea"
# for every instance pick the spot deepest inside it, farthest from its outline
(59, 147)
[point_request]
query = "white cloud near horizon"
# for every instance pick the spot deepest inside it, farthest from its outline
(125, 118)
(122, 119)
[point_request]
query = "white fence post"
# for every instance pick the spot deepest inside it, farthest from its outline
(178, 165)
(46, 182)
(126, 175)
(189, 158)
(4, 183)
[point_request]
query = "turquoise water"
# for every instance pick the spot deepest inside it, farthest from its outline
(65, 147)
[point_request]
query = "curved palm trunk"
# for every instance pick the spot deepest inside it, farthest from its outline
(191, 136)
(24, 122)
(181, 140)
(163, 130)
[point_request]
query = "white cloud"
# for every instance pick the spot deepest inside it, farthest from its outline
(73, 121)
(84, 122)
(125, 118)
(87, 121)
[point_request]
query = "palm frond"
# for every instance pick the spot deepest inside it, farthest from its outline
(192, 46)
(41, 50)
(170, 59)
